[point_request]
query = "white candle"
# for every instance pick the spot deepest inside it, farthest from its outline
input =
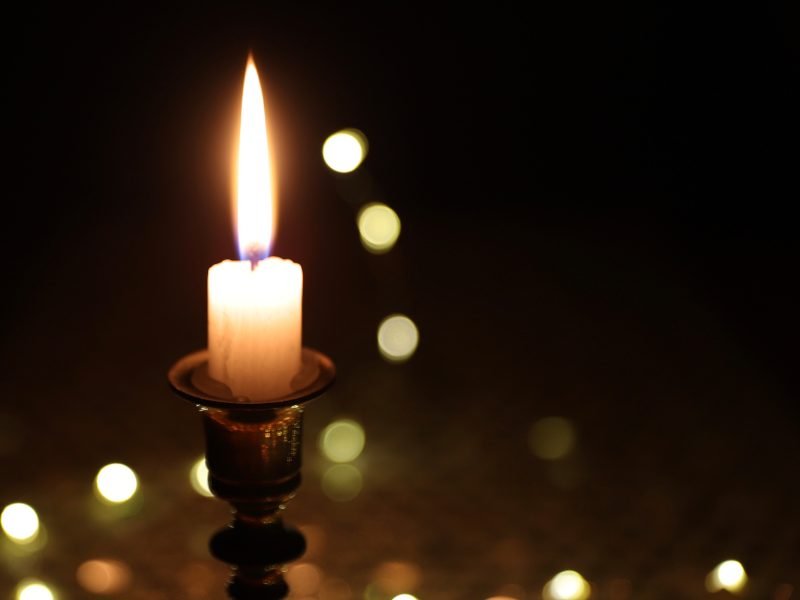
(254, 305)
(254, 326)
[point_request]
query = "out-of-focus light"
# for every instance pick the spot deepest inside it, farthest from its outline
(404, 597)
(566, 585)
(20, 522)
(552, 438)
(783, 592)
(731, 575)
(397, 338)
(116, 483)
(335, 589)
(345, 150)
(103, 576)
(198, 477)
(32, 589)
(315, 540)
(304, 579)
(342, 441)
(394, 577)
(197, 579)
(379, 227)
(728, 575)
(342, 483)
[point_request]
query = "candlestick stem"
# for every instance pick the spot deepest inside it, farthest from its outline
(253, 454)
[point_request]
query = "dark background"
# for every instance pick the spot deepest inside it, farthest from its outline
(598, 212)
(657, 130)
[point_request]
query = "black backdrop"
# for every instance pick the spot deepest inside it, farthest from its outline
(638, 160)
(669, 131)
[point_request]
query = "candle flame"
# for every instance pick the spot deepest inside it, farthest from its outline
(255, 197)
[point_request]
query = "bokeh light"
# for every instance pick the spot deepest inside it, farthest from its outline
(342, 483)
(197, 579)
(103, 576)
(20, 522)
(32, 589)
(304, 579)
(404, 597)
(315, 540)
(198, 477)
(395, 577)
(345, 150)
(552, 438)
(398, 338)
(566, 585)
(378, 226)
(116, 483)
(728, 575)
(342, 441)
(335, 589)
(783, 592)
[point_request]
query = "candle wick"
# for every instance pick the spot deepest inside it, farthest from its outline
(254, 256)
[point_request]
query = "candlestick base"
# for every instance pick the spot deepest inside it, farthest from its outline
(253, 454)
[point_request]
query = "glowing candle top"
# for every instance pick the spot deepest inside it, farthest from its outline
(255, 304)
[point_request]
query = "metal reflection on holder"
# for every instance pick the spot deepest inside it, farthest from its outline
(253, 453)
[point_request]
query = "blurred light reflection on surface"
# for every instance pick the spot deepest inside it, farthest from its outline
(32, 589)
(394, 577)
(379, 227)
(398, 338)
(335, 589)
(728, 575)
(20, 522)
(304, 579)
(566, 585)
(342, 441)
(198, 476)
(116, 483)
(345, 150)
(315, 540)
(197, 579)
(103, 576)
(511, 591)
(552, 438)
(404, 597)
(342, 483)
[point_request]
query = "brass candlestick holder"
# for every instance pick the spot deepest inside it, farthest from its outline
(253, 453)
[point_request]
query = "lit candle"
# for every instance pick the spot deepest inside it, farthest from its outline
(254, 304)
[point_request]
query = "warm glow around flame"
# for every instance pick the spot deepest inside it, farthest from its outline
(255, 201)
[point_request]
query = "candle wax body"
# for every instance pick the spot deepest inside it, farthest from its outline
(255, 326)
